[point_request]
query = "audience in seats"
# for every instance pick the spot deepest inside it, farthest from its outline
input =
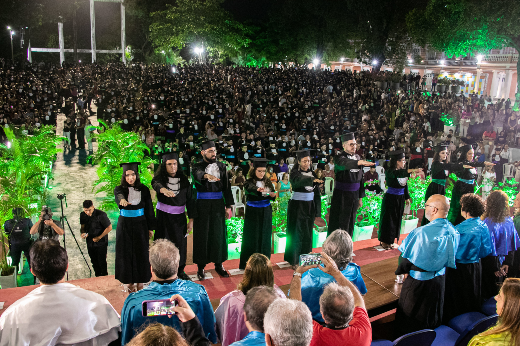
(339, 247)
(231, 325)
(258, 300)
(57, 312)
(157, 334)
(164, 260)
(505, 240)
(288, 322)
(507, 330)
(342, 308)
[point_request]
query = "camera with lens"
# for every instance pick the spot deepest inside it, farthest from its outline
(46, 213)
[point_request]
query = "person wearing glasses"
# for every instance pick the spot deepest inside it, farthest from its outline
(258, 220)
(425, 254)
(212, 208)
(349, 187)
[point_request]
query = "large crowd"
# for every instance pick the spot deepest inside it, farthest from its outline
(261, 125)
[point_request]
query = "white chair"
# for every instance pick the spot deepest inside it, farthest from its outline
(366, 169)
(329, 188)
(290, 160)
(380, 170)
(382, 182)
(290, 167)
(280, 176)
(314, 166)
(237, 196)
(508, 171)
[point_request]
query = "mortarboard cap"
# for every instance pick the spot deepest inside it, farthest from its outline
(130, 166)
(259, 162)
(440, 147)
(348, 137)
(397, 154)
(300, 154)
(170, 156)
(207, 144)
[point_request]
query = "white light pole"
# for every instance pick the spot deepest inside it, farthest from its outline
(11, 33)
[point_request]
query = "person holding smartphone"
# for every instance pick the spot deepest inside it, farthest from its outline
(258, 218)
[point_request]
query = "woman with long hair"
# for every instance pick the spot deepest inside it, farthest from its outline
(507, 331)
(504, 238)
(135, 225)
(394, 199)
(439, 171)
(258, 220)
(231, 326)
(466, 178)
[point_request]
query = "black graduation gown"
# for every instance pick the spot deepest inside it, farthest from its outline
(421, 303)
(173, 226)
(132, 265)
(462, 188)
(258, 225)
(438, 170)
(209, 225)
(300, 216)
(463, 290)
(392, 208)
(344, 204)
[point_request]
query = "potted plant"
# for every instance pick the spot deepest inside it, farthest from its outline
(367, 216)
(456, 85)
(378, 80)
(280, 223)
(7, 271)
(417, 190)
(319, 234)
(442, 84)
(235, 229)
(449, 122)
(395, 79)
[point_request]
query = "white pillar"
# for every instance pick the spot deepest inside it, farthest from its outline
(494, 85)
(62, 43)
(507, 86)
(477, 80)
(29, 55)
(123, 36)
(93, 31)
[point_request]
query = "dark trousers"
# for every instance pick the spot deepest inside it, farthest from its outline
(98, 257)
(16, 252)
(81, 138)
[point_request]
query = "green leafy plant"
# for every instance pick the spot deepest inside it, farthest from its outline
(235, 229)
(417, 190)
(370, 212)
(280, 213)
(510, 187)
(444, 81)
(447, 119)
(115, 147)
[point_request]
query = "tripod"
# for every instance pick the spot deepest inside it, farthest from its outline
(63, 219)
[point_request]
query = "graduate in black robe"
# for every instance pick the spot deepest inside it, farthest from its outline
(174, 197)
(258, 220)
(304, 207)
(394, 199)
(135, 225)
(212, 208)
(349, 188)
(439, 171)
(465, 183)
(425, 254)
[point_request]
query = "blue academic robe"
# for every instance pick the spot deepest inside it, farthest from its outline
(254, 338)
(475, 241)
(314, 281)
(195, 295)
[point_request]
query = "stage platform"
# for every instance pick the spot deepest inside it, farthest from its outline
(377, 268)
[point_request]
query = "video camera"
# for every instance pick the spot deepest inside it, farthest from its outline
(46, 213)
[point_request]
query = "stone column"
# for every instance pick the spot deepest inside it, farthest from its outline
(494, 85)
(507, 86)
(477, 80)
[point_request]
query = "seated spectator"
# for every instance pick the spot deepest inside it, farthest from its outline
(231, 325)
(157, 334)
(57, 312)
(344, 313)
(339, 247)
(506, 331)
(164, 260)
(258, 300)
(288, 322)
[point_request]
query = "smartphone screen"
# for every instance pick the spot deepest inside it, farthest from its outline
(160, 307)
(310, 259)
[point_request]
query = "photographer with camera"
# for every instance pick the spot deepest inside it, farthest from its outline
(95, 227)
(46, 227)
(18, 228)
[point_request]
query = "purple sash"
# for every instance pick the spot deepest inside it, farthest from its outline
(171, 209)
(346, 186)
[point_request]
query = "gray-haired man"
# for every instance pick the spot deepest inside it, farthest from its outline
(288, 322)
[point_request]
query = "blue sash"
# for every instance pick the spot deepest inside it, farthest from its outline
(470, 182)
(282, 150)
(425, 276)
(395, 191)
(259, 204)
(231, 156)
(209, 195)
(131, 213)
(303, 196)
(258, 155)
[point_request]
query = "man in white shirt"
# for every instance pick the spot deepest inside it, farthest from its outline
(58, 312)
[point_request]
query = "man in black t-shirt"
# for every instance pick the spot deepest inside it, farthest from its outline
(18, 228)
(95, 227)
(46, 226)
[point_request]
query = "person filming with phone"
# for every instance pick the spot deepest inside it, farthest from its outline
(152, 304)
(46, 227)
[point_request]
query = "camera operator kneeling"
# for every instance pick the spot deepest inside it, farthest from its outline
(46, 227)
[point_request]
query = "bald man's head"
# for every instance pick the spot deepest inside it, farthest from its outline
(437, 207)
